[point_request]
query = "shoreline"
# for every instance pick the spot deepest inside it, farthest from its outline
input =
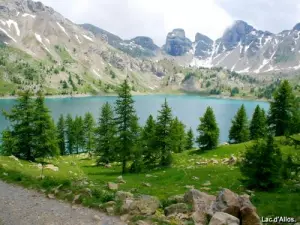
(144, 94)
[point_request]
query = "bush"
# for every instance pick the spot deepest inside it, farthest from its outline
(262, 165)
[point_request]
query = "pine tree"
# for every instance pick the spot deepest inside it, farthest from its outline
(208, 131)
(106, 135)
(22, 131)
(177, 136)
(89, 132)
(78, 134)
(137, 159)
(61, 135)
(125, 114)
(239, 131)
(70, 134)
(148, 142)
(190, 139)
(163, 129)
(45, 141)
(258, 125)
(8, 143)
(284, 111)
(261, 165)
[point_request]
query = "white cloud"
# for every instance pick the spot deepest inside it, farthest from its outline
(153, 18)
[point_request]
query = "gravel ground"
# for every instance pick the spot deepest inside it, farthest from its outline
(19, 206)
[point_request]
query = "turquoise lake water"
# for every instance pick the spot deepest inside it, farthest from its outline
(188, 108)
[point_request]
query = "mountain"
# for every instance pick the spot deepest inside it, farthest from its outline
(40, 49)
(137, 47)
(244, 49)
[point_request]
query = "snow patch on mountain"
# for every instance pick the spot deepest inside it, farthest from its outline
(12, 22)
(3, 23)
(62, 28)
(5, 32)
(244, 70)
(96, 73)
(27, 14)
(265, 62)
(87, 37)
(76, 36)
(39, 39)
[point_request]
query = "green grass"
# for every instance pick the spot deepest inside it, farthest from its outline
(164, 182)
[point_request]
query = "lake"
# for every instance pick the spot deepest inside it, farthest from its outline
(188, 108)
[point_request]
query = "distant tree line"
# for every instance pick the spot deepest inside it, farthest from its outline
(118, 136)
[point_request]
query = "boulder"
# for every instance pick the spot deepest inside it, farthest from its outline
(112, 186)
(13, 157)
(122, 195)
(143, 205)
(146, 184)
(221, 218)
(200, 201)
(228, 202)
(248, 213)
(176, 208)
(206, 183)
(176, 198)
(232, 160)
(52, 167)
(199, 218)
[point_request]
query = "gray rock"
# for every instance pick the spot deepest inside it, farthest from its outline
(142, 205)
(112, 186)
(220, 218)
(176, 208)
(228, 202)
(122, 195)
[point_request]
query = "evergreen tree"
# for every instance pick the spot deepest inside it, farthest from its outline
(45, 141)
(261, 165)
(125, 115)
(149, 141)
(177, 136)
(8, 143)
(190, 139)
(208, 131)
(258, 125)
(136, 152)
(239, 131)
(106, 135)
(78, 134)
(22, 131)
(163, 130)
(89, 132)
(61, 134)
(284, 111)
(70, 134)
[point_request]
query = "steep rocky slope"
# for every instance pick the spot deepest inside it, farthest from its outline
(42, 49)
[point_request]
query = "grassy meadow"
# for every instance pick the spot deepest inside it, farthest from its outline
(78, 173)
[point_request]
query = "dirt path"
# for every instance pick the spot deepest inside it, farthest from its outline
(19, 206)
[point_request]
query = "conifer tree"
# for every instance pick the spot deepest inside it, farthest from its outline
(106, 135)
(239, 131)
(148, 142)
(208, 131)
(61, 134)
(190, 139)
(163, 130)
(89, 132)
(261, 165)
(258, 125)
(78, 134)
(22, 132)
(136, 152)
(8, 143)
(70, 134)
(45, 141)
(177, 136)
(284, 114)
(125, 115)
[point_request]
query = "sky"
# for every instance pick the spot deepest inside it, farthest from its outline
(155, 18)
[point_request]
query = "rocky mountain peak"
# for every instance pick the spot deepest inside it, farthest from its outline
(145, 42)
(204, 38)
(176, 43)
(297, 27)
